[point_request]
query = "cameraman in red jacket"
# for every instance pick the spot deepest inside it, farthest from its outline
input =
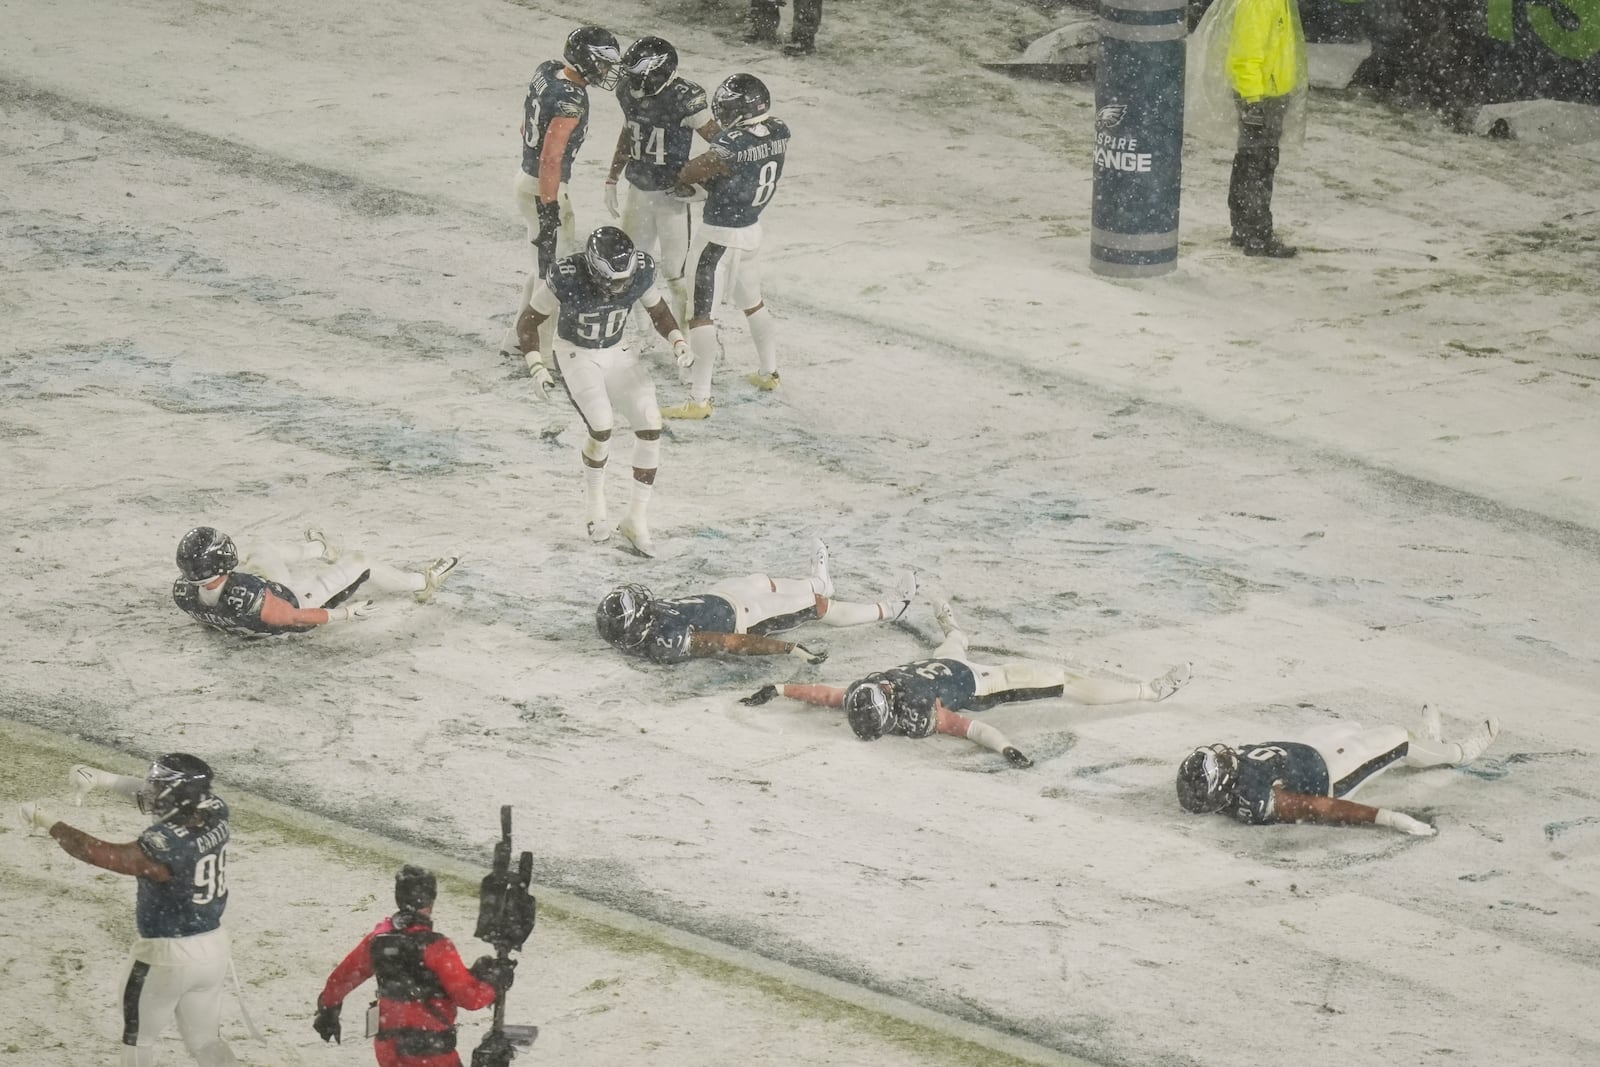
(421, 981)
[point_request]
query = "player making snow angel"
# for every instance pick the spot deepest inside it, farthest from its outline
(287, 588)
(1311, 779)
(737, 616)
(926, 697)
(180, 958)
(590, 294)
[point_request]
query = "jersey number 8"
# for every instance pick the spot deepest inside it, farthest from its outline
(766, 183)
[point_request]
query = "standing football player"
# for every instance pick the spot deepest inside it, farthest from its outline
(925, 697)
(740, 173)
(287, 588)
(1310, 779)
(590, 294)
(661, 113)
(737, 616)
(555, 118)
(180, 958)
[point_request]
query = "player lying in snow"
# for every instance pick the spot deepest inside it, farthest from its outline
(286, 589)
(923, 698)
(736, 616)
(1308, 780)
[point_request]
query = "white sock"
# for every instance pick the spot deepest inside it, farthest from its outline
(763, 331)
(639, 500)
(703, 342)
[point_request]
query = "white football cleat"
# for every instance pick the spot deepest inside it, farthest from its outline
(1472, 746)
(433, 576)
(1176, 677)
(599, 531)
(330, 550)
(637, 534)
(907, 593)
(821, 580)
(1432, 723)
(945, 616)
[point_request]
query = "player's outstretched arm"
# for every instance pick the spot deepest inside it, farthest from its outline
(127, 858)
(702, 643)
(828, 696)
(958, 725)
(1331, 811)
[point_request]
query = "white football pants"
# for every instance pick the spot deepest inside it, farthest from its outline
(1355, 754)
(176, 978)
(606, 382)
(766, 605)
(663, 225)
(299, 566)
(1026, 676)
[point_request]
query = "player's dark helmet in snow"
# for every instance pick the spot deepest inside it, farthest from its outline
(870, 708)
(740, 99)
(623, 617)
(593, 52)
(1206, 778)
(648, 65)
(205, 552)
(609, 255)
(176, 784)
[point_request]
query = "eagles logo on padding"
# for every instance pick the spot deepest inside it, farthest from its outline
(1110, 116)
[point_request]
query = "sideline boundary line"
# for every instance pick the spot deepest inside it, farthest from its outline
(601, 915)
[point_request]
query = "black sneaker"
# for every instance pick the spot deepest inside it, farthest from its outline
(1272, 248)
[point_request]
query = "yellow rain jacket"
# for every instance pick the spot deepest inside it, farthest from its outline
(1267, 50)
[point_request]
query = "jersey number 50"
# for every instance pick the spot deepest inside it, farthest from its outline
(601, 325)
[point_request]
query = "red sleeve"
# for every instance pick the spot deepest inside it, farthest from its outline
(276, 611)
(829, 696)
(351, 972)
(950, 722)
(443, 960)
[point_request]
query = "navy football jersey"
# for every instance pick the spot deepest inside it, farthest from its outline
(918, 684)
(193, 899)
(754, 157)
(238, 611)
(550, 97)
(675, 622)
(661, 131)
(591, 316)
(1295, 767)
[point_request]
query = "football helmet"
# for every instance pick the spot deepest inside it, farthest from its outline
(609, 255)
(204, 553)
(648, 65)
(740, 100)
(1207, 778)
(176, 784)
(593, 53)
(415, 888)
(869, 705)
(625, 617)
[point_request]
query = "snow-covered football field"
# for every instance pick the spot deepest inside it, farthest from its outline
(255, 260)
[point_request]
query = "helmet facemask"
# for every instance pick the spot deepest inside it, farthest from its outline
(1207, 778)
(870, 708)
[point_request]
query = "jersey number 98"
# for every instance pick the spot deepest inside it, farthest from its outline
(211, 877)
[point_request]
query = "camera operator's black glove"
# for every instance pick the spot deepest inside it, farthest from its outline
(1253, 113)
(326, 1024)
(549, 226)
(760, 696)
(495, 971)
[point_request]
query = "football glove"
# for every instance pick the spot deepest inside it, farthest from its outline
(810, 655)
(541, 376)
(683, 353)
(363, 609)
(760, 696)
(1395, 820)
(611, 199)
(326, 1024)
(35, 817)
(1015, 757)
(85, 779)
